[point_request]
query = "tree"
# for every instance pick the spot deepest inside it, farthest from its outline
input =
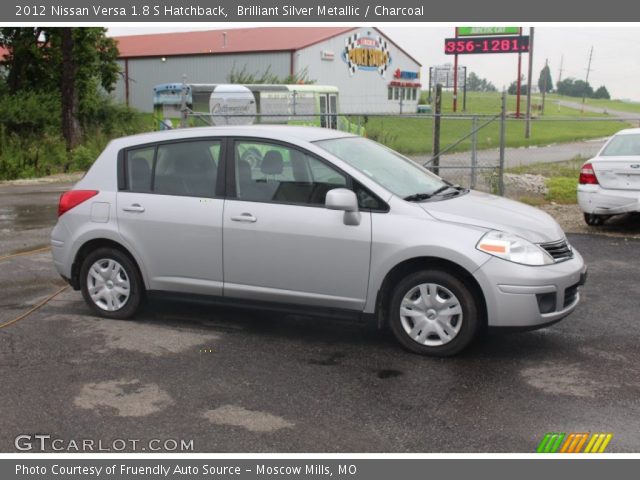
(69, 94)
(243, 76)
(602, 92)
(545, 83)
(76, 62)
(25, 62)
(513, 87)
(574, 88)
(477, 84)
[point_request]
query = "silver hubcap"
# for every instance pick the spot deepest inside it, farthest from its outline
(431, 314)
(108, 284)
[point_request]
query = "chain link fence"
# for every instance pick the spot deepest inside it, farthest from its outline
(485, 152)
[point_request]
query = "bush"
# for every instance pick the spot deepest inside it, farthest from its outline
(31, 142)
(30, 113)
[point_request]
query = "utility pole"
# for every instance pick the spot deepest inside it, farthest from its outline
(519, 84)
(436, 129)
(586, 80)
(503, 137)
(544, 83)
(560, 73)
(184, 111)
(527, 129)
(455, 79)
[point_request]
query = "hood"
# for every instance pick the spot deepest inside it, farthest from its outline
(497, 213)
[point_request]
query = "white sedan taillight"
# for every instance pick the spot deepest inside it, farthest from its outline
(587, 175)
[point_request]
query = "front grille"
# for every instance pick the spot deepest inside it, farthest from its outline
(559, 251)
(570, 295)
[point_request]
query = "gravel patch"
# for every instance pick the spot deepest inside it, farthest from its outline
(571, 220)
(58, 178)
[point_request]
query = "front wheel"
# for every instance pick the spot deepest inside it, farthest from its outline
(110, 283)
(594, 220)
(434, 313)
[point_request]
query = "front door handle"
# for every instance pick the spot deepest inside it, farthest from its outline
(136, 207)
(245, 217)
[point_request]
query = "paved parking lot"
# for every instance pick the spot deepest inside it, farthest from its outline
(253, 382)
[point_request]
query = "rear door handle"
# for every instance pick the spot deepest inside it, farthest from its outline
(245, 217)
(136, 207)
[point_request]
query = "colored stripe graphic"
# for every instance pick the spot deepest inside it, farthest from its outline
(606, 441)
(574, 442)
(598, 443)
(554, 442)
(580, 443)
(550, 443)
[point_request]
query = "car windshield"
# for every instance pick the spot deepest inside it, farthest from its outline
(391, 170)
(622, 145)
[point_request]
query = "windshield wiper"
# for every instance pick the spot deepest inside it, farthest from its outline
(416, 197)
(441, 189)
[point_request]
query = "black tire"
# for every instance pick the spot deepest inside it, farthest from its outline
(594, 220)
(136, 289)
(471, 321)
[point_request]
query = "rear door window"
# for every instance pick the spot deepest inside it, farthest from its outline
(139, 166)
(187, 168)
(183, 168)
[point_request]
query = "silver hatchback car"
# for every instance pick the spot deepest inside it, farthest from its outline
(310, 219)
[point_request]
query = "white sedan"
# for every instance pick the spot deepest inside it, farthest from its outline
(609, 183)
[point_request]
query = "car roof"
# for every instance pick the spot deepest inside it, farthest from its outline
(275, 132)
(628, 131)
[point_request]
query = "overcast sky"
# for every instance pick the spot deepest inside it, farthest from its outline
(616, 58)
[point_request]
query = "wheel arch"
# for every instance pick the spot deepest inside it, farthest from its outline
(416, 264)
(92, 245)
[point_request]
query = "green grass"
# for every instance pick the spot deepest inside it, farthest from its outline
(562, 189)
(619, 105)
(488, 103)
(415, 135)
(561, 179)
(569, 168)
(557, 125)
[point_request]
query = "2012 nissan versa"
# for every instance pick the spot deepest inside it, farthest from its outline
(310, 218)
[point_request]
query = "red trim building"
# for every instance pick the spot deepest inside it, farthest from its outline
(372, 73)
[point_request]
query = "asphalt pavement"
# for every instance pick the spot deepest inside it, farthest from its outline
(634, 116)
(238, 381)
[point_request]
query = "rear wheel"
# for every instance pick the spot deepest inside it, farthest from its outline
(434, 313)
(110, 283)
(594, 220)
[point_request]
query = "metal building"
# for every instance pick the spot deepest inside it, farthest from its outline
(372, 73)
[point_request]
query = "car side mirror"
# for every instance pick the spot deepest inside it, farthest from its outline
(345, 200)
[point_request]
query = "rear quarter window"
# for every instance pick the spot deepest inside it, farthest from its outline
(139, 168)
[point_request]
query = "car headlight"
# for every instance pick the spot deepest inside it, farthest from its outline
(513, 248)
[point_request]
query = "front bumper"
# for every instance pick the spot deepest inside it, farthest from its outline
(520, 296)
(605, 201)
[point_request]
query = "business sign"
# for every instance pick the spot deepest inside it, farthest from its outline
(481, 31)
(476, 45)
(327, 55)
(363, 52)
(443, 75)
(405, 75)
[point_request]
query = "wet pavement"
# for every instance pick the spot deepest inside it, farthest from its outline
(233, 380)
(27, 214)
